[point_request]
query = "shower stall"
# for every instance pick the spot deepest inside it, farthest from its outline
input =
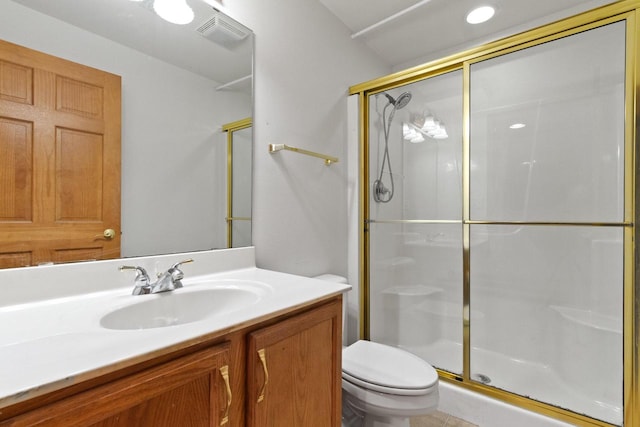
(498, 218)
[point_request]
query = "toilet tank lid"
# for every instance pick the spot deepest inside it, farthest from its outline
(387, 366)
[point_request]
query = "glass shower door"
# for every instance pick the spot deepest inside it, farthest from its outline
(547, 186)
(415, 219)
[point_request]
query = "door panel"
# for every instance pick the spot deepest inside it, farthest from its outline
(16, 83)
(78, 175)
(16, 164)
(77, 97)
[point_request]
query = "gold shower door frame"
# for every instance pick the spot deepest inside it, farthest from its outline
(230, 128)
(624, 10)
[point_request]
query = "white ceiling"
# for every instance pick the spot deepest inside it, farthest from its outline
(435, 29)
(438, 28)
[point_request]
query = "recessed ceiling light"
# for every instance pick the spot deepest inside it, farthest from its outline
(480, 15)
(517, 126)
(174, 11)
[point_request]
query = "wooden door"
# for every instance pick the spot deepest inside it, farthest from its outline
(59, 159)
(294, 371)
(191, 391)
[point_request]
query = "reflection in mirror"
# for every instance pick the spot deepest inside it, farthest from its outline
(239, 138)
(179, 85)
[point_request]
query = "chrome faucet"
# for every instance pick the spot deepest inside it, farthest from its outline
(170, 279)
(141, 281)
(167, 281)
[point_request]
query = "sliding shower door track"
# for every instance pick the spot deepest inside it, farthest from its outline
(476, 222)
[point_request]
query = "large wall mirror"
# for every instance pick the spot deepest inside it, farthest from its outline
(180, 84)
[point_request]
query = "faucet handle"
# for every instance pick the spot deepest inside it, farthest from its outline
(176, 274)
(141, 280)
(178, 264)
(140, 272)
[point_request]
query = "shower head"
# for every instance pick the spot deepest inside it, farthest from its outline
(402, 100)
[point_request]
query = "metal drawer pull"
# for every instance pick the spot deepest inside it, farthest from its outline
(263, 359)
(224, 371)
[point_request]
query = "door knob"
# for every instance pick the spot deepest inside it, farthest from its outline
(109, 233)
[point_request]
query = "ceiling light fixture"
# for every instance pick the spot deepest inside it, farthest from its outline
(422, 125)
(517, 126)
(480, 15)
(174, 11)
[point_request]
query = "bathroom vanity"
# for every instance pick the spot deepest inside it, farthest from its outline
(271, 360)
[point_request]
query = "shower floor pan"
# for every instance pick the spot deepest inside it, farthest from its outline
(526, 378)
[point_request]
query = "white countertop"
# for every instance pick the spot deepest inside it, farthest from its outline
(46, 345)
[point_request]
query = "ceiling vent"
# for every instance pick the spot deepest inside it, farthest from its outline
(223, 30)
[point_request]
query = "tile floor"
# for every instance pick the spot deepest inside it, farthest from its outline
(439, 419)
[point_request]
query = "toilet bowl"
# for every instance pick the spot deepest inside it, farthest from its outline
(382, 386)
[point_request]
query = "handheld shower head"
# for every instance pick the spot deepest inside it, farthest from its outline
(402, 100)
(381, 193)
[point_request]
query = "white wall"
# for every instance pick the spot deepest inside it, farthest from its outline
(169, 154)
(305, 63)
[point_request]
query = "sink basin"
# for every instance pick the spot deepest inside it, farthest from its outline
(184, 305)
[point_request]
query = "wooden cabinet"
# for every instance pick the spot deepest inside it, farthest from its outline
(293, 371)
(281, 371)
(191, 391)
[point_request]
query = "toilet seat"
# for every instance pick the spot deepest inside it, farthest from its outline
(387, 369)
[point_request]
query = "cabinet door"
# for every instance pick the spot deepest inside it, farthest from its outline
(191, 391)
(293, 376)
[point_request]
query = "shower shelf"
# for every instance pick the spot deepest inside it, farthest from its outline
(234, 82)
(328, 160)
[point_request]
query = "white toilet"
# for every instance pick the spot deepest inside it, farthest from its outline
(382, 386)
